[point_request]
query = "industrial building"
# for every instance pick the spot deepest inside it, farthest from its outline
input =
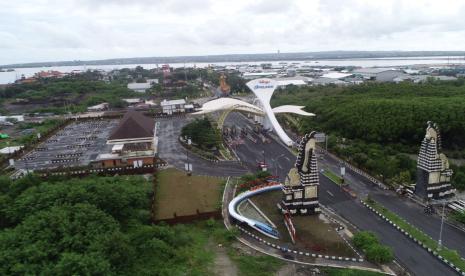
(379, 74)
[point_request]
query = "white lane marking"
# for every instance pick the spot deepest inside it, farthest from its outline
(329, 193)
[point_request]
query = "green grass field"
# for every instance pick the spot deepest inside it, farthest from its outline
(333, 177)
(185, 195)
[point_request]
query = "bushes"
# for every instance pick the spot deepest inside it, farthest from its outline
(459, 216)
(374, 251)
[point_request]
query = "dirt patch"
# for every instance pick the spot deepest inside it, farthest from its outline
(223, 265)
(314, 233)
(185, 195)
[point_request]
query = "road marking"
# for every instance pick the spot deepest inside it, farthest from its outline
(329, 193)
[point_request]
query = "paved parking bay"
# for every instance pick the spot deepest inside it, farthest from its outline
(77, 144)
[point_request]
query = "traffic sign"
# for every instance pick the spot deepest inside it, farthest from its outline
(320, 137)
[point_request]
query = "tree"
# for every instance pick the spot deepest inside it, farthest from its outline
(202, 133)
(364, 239)
(41, 243)
(458, 180)
(379, 254)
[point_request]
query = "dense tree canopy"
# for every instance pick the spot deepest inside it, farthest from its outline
(73, 93)
(385, 112)
(91, 226)
(375, 125)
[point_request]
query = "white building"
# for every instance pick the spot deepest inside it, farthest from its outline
(139, 87)
(132, 101)
(10, 150)
(297, 81)
(98, 107)
(336, 75)
(256, 75)
(173, 106)
(326, 81)
(19, 118)
(152, 81)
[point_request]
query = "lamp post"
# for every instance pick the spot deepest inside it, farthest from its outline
(442, 224)
(188, 166)
(277, 163)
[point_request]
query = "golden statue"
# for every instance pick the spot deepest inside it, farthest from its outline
(224, 87)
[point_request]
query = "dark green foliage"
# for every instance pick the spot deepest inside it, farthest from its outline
(202, 133)
(92, 226)
(382, 161)
(235, 81)
(379, 254)
(458, 178)
(364, 239)
(82, 230)
(459, 216)
(384, 112)
(348, 272)
(374, 251)
(72, 93)
(121, 198)
(381, 120)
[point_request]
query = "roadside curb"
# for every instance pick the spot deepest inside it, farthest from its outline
(433, 252)
(295, 252)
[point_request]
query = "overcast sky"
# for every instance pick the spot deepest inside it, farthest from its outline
(53, 30)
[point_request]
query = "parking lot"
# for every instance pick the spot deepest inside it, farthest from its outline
(77, 144)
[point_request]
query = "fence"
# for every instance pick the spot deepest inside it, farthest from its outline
(191, 218)
(128, 170)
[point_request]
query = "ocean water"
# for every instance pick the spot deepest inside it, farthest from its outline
(10, 77)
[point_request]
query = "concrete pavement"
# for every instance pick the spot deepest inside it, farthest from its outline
(171, 151)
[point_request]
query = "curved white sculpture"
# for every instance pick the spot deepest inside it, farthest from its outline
(263, 90)
(292, 109)
(227, 103)
(257, 225)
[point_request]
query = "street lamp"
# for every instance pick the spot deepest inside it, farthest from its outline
(188, 166)
(277, 163)
(442, 224)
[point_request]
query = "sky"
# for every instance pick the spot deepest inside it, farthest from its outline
(56, 30)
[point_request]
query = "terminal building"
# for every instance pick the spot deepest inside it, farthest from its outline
(433, 172)
(300, 190)
(134, 142)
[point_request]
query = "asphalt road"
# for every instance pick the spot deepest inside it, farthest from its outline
(171, 151)
(452, 237)
(280, 159)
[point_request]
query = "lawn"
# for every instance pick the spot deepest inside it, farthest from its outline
(348, 272)
(332, 176)
(448, 254)
(183, 195)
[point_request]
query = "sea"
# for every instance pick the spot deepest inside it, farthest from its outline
(436, 61)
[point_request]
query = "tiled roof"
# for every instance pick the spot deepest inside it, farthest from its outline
(133, 125)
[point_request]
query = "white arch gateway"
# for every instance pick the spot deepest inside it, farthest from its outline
(263, 90)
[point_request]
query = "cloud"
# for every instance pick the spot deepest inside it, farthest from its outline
(46, 30)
